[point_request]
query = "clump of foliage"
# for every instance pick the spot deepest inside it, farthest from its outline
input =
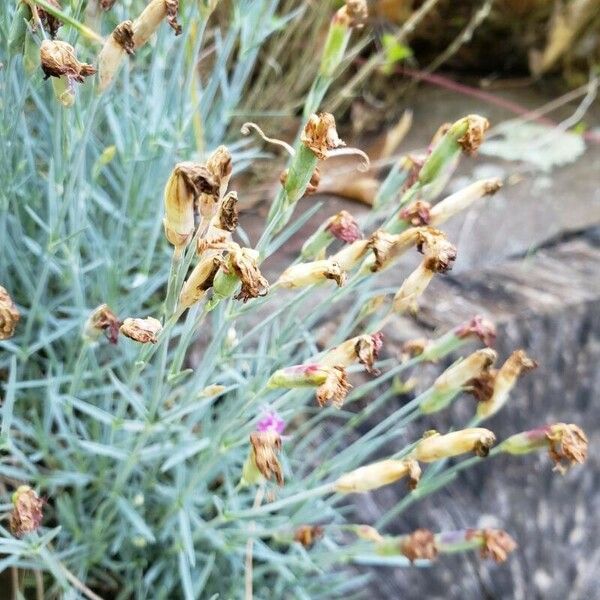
(163, 402)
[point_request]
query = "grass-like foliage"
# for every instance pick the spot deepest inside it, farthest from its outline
(163, 405)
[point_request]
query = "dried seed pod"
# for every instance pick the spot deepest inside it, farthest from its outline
(434, 446)
(376, 475)
(496, 544)
(118, 43)
(49, 22)
(363, 349)
(26, 515)
(152, 16)
(419, 545)
(473, 137)
(503, 382)
(439, 253)
(102, 320)
(478, 327)
(353, 14)
(310, 273)
(307, 535)
(388, 247)
(58, 59)
(141, 330)
(343, 226)
(244, 263)
(567, 443)
(9, 315)
(416, 214)
(320, 135)
(200, 279)
(266, 445)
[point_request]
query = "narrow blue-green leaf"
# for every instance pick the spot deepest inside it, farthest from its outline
(184, 453)
(135, 519)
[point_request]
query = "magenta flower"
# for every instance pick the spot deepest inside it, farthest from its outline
(270, 421)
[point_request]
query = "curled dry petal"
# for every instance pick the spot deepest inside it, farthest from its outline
(26, 515)
(439, 253)
(335, 388)
(244, 263)
(58, 58)
(141, 330)
(473, 138)
(320, 135)
(363, 349)
(567, 444)
(50, 22)
(307, 535)
(419, 545)
(344, 227)
(103, 320)
(479, 327)
(172, 8)
(417, 213)
(227, 215)
(266, 445)
(9, 315)
(496, 544)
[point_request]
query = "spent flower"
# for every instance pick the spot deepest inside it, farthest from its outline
(26, 515)
(9, 315)
(141, 330)
(434, 446)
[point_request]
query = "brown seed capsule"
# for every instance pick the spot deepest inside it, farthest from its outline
(479, 327)
(439, 253)
(266, 445)
(473, 138)
(27, 514)
(335, 388)
(103, 320)
(307, 535)
(496, 544)
(320, 135)
(567, 443)
(49, 22)
(344, 227)
(244, 263)
(419, 545)
(417, 213)
(9, 315)
(355, 13)
(58, 59)
(141, 330)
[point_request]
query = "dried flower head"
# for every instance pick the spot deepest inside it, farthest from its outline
(172, 8)
(58, 59)
(479, 327)
(353, 14)
(318, 271)
(307, 535)
(103, 320)
(152, 16)
(227, 218)
(141, 330)
(49, 22)
(9, 315)
(266, 445)
(27, 514)
(387, 247)
(496, 544)
(493, 389)
(123, 35)
(419, 545)
(434, 446)
(335, 387)
(417, 213)
(473, 138)
(320, 135)
(313, 184)
(220, 165)
(376, 475)
(412, 348)
(567, 444)
(200, 279)
(363, 349)
(344, 227)
(439, 253)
